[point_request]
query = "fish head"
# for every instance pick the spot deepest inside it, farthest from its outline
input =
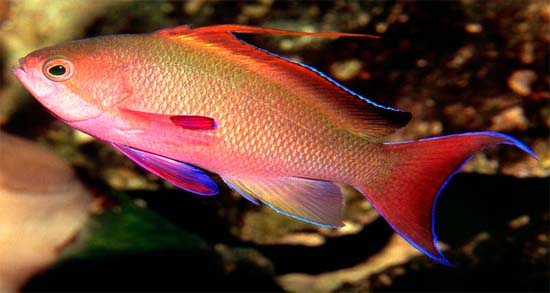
(75, 81)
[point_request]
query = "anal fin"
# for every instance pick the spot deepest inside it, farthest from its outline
(317, 202)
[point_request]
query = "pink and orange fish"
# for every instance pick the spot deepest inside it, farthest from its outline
(183, 100)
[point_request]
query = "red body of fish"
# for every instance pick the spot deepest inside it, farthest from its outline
(182, 100)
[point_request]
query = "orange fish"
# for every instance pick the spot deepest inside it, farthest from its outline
(183, 100)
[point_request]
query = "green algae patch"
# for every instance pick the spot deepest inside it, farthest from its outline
(129, 227)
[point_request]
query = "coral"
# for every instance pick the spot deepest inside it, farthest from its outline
(43, 208)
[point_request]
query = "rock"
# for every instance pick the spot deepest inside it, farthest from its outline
(527, 53)
(482, 165)
(510, 120)
(465, 116)
(473, 28)
(462, 56)
(520, 81)
(545, 13)
(345, 70)
(259, 10)
(43, 207)
(397, 251)
(519, 222)
(4, 10)
(531, 167)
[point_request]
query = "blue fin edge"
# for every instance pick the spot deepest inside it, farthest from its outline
(240, 191)
(321, 74)
(297, 217)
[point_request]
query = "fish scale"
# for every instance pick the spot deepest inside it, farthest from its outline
(240, 147)
(184, 100)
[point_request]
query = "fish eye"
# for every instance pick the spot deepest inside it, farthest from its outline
(58, 69)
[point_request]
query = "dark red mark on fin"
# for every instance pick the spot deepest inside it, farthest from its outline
(194, 122)
(406, 192)
(243, 29)
(178, 173)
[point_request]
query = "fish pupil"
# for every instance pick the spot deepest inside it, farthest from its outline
(57, 70)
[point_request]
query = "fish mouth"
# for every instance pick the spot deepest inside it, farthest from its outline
(19, 72)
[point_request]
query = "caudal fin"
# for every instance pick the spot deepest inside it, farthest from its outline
(406, 193)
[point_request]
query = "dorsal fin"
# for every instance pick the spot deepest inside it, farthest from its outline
(346, 108)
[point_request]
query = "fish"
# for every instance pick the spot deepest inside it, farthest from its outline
(186, 103)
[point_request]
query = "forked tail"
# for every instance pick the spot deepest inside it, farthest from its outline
(406, 195)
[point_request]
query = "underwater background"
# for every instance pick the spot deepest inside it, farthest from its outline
(96, 221)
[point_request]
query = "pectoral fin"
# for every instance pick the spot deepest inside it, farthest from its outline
(186, 129)
(182, 175)
(317, 202)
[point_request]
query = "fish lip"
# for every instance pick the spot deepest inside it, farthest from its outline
(19, 72)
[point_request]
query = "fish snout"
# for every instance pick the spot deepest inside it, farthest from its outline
(19, 71)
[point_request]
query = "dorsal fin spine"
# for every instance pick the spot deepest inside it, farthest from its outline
(242, 29)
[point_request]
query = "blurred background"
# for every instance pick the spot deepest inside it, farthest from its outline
(76, 215)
